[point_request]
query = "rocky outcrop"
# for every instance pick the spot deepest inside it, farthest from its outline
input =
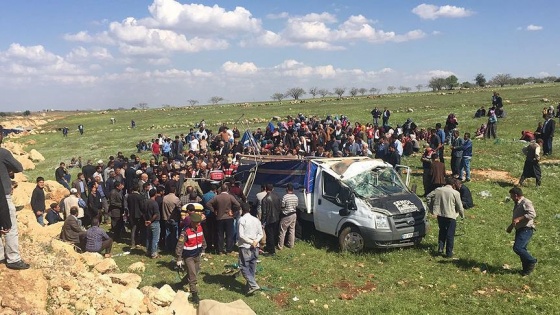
(211, 307)
(137, 267)
(106, 265)
(35, 156)
(25, 162)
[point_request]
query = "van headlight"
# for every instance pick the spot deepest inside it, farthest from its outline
(382, 222)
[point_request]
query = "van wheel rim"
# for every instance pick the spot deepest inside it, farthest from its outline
(354, 242)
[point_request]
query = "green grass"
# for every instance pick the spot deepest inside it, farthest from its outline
(398, 281)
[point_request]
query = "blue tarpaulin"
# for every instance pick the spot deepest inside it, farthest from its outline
(278, 173)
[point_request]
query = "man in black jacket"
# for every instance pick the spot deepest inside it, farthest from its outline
(116, 210)
(136, 211)
(271, 207)
(548, 129)
(376, 113)
(466, 196)
(38, 200)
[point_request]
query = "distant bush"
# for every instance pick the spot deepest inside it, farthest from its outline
(2, 114)
(26, 113)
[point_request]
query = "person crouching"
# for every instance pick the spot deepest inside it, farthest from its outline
(189, 248)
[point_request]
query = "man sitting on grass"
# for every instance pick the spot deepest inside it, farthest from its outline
(97, 239)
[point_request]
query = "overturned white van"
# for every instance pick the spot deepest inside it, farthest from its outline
(362, 201)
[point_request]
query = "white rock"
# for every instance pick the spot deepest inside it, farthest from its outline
(106, 265)
(137, 267)
(181, 304)
(92, 259)
(164, 296)
(130, 280)
(35, 156)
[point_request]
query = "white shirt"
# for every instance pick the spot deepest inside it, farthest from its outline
(194, 145)
(250, 231)
(399, 147)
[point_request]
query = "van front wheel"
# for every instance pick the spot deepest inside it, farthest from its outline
(351, 240)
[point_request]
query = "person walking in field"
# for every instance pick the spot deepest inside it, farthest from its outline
(531, 167)
(491, 125)
(523, 222)
(376, 113)
(466, 159)
(189, 248)
(445, 203)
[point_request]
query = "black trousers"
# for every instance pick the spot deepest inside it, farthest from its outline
(117, 226)
(210, 234)
(271, 230)
(227, 227)
(138, 232)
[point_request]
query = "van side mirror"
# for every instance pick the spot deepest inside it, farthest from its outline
(344, 212)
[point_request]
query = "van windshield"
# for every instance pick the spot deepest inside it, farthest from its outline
(375, 183)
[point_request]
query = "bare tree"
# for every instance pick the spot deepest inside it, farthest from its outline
(339, 91)
(142, 105)
(436, 84)
(362, 91)
(278, 96)
(323, 92)
(391, 88)
(353, 91)
(314, 91)
(192, 102)
(295, 93)
(216, 99)
(501, 79)
(404, 89)
(374, 91)
(419, 87)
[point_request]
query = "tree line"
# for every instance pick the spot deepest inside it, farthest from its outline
(502, 79)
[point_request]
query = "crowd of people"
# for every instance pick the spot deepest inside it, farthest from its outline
(185, 199)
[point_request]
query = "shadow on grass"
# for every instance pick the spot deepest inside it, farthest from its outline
(228, 281)
(470, 264)
(175, 285)
(505, 184)
(167, 264)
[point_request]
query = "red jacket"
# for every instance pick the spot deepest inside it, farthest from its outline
(193, 242)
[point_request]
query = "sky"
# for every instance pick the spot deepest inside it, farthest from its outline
(100, 54)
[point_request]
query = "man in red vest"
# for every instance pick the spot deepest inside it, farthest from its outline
(189, 248)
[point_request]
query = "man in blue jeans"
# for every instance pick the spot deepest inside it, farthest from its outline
(151, 220)
(466, 159)
(9, 243)
(522, 220)
(445, 203)
(249, 235)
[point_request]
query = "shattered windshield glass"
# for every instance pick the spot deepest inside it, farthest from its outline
(376, 183)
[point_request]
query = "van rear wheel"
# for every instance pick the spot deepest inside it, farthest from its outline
(351, 240)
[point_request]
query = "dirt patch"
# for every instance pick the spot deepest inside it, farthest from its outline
(494, 175)
(350, 291)
(550, 162)
(281, 299)
(489, 174)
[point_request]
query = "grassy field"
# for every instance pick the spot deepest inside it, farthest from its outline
(313, 277)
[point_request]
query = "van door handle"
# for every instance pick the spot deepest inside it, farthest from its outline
(318, 201)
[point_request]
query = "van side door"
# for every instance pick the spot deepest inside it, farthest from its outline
(327, 207)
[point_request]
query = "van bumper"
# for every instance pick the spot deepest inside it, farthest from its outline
(374, 238)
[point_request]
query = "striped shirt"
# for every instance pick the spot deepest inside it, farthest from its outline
(289, 203)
